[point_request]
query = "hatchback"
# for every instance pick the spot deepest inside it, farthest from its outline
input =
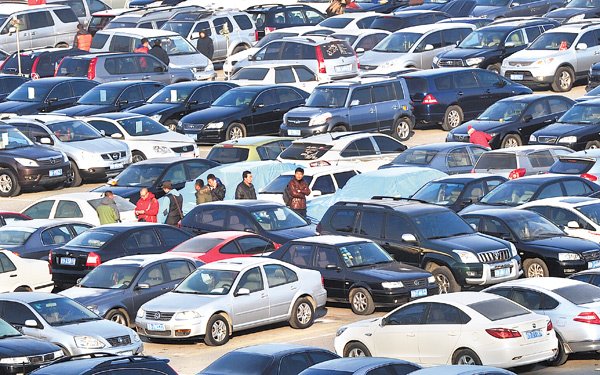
(269, 18)
(582, 163)
(400, 20)
(39, 63)
(249, 149)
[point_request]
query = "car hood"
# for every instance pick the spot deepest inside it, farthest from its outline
(95, 145)
(566, 12)
(93, 296)
(570, 244)
(214, 114)
(486, 10)
(475, 242)
(170, 137)
(155, 108)
(294, 233)
(32, 152)
(484, 126)
(25, 346)
(102, 328)
(389, 272)
(310, 111)
(188, 61)
(174, 302)
(465, 53)
(122, 191)
(527, 55)
(380, 58)
(86, 109)
(563, 130)
(21, 108)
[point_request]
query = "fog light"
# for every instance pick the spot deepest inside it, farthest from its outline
(473, 273)
(182, 332)
(569, 270)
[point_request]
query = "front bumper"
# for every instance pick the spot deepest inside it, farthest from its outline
(207, 75)
(558, 268)
(395, 297)
(36, 176)
(206, 135)
(20, 369)
(131, 349)
(303, 131)
(553, 140)
(484, 273)
(174, 329)
(103, 172)
(593, 80)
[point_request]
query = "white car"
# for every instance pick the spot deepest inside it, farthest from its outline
(146, 138)
(275, 74)
(80, 206)
(23, 275)
(462, 370)
(361, 40)
(464, 328)
(350, 21)
(227, 296)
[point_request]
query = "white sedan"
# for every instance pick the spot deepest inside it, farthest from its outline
(23, 275)
(465, 328)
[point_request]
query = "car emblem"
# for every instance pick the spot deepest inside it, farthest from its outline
(115, 156)
(53, 161)
(294, 121)
(533, 325)
(157, 316)
(518, 65)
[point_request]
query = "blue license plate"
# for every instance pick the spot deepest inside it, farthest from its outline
(594, 264)
(55, 172)
(533, 334)
(502, 272)
(418, 293)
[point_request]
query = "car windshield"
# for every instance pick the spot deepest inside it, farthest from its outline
(144, 175)
(442, 193)
(100, 96)
(305, 151)
(141, 126)
(235, 98)
(11, 65)
(498, 309)
(273, 36)
(364, 254)
(325, 97)
(397, 42)
(11, 138)
(11, 236)
(435, 225)
(278, 218)
(530, 226)
(415, 156)
(207, 281)
(6, 330)
(180, 27)
(63, 311)
(110, 277)
(591, 211)
(492, 3)
(580, 294)
(510, 194)
(30, 92)
(174, 45)
(554, 41)
(483, 39)
(583, 4)
(198, 245)
(251, 74)
(240, 363)
(170, 95)
(278, 185)
(582, 114)
(73, 131)
(94, 239)
(503, 111)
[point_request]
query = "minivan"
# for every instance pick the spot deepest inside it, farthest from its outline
(38, 63)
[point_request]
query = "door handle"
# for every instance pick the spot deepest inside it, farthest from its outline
(263, 296)
(146, 77)
(410, 334)
(123, 78)
(293, 287)
(597, 53)
(14, 275)
(33, 33)
(460, 93)
(371, 110)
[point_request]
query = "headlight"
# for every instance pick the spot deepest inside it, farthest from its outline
(58, 354)
(578, 17)
(88, 342)
(340, 331)
(532, 138)
(513, 249)
(215, 125)
(136, 337)
(94, 309)
(392, 284)
(141, 313)
(27, 162)
(436, 59)
(466, 256)
(320, 119)
(545, 61)
(14, 360)
(568, 256)
(187, 315)
(570, 139)
(162, 149)
(475, 61)
(156, 117)
(431, 280)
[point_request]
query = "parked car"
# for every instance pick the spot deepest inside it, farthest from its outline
(351, 366)
(9, 83)
(581, 163)
(271, 17)
(270, 74)
(462, 370)
(477, 21)
(593, 79)
(588, 276)
(248, 149)
(361, 40)
(22, 275)
(92, 248)
(115, 290)
(401, 20)
(83, 9)
(575, 11)
(374, 6)
(100, 363)
(7, 217)
(102, 18)
(152, 17)
(350, 21)
(494, 9)
(235, 301)
(37, 63)
(455, 9)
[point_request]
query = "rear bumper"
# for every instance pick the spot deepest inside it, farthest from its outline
(65, 277)
(583, 346)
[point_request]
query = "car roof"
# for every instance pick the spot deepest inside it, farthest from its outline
(116, 115)
(528, 98)
(144, 259)
(359, 80)
(526, 149)
(592, 153)
(435, 72)
(360, 32)
(353, 364)
(14, 8)
(461, 370)
(29, 297)
(244, 203)
(434, 26)
(126, 83)
(505, 214)
(575, 27)
(547, 283)
(330, 138)
(465, 177)
(406, 205)
(441, 146)
(239, 264)
(44, 118)
(55, 80)
(112, 12)
(258, 140)
(332, 240)
(40, 223)
(542, 178)
(558, 201)
(460, 298)
(272, 349)
(102, 361)
(142, 33)
(356, 15)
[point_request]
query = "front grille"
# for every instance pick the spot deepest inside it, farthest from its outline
(520, 63)
(368, 67)
(297, 121)
(119, 340)
(50, 160)
(494, 256)
(415, 283)
(546, 139)
(183, 149)
(450, 62)
(591, 255)
(157, 333)
(39, 359)
(157, 315)
(188, 126)
(114, 155)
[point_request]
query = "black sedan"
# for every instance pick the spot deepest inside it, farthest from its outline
(590, 276)
(46, 95)
(576, 10)
(242, 112)
(119, 96)
(87, 251)
(174, 101)
(458, 191)
(358, 271)
(544, 248)
(511, 121)
(8, 83)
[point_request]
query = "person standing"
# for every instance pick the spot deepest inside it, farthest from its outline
(202, 192)
(83, 39)
(173, 210)
(146, 208)
(298, 190)
(144, 47)
(205, 46)
(477, 137)
(158, 52)
(245, 189)
(107, 210)
(335, 8)
(217, 189)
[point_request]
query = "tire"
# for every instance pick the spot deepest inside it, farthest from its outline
(137, 156)
(303, 314)
(445, 279)
(511, 140)
(118, 316)
(9, 184)
(402, 130)
(62, 45)
(235, 131)
(561, 355)
(239, 48)
(74, 178)
(494, 68)
(452, 118)
(339, 128)
(356, 349)
(592, 144)
(535, 267)
(217, 331)
(465, 357)
(171, 124)
(361, 301)
(563, 79)
(23, 289)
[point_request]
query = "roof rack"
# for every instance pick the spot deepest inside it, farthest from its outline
(388, 198)
(517, 19)
(585, 23)
(264, 6)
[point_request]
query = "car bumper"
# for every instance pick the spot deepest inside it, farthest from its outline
(484, 273)
(429, 113)
(173, 329)
(391, 298)
(529, 78)
(321, 298)
(294, 131)
(209, 75)
(29, 177)
(507, 354)
(567, 268)
(577, 146)
(593, 80)
(67, 277)
(206, 135)
(103, 172)
(132, 349)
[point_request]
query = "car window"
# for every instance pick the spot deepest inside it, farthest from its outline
(243, 21)
(343, 220)
(67, 209)
(397, 225)
(149, 90)
(284, 75)
(464, 80)
(388, 145)
(239, 221)
(532, 33)
(220, 23)
(452, 36)
(172, 237)
(487, 79)
(269, 52)
(252, 280)
(266, 98)
(299, 255)
(285, 95)
(516, 38)
(586, 278)
(40, 210)
(213, 219)
(492, 184)
(270, 151)
(312, 16)
(254, 245)
(371, 224)
(203, 26)
(96, 6)
(434, 39)
(550, 191)
(576, 188)
(589, 38)
(361, 96)
(409, 315)
(533, 300)
(279, 275)
(343, 177)
(130, 65)
(360, 147)
(495, 228)
(558, 105)
(79, 228)
(541, 159)
(305, 74)
(294, 364)
(175, 174)
(37, 20)
(61, 91)
(141, 240)
(458, 158)
(16, 313)
(6, 264)
(132, 94)
(104, 127)
(229, 248)
(474, 192)
(178, 269)
(153, 276)
(56, 236)
(326, 256)
(324, 184)
(120, 43)
(217, 90)
(67, 15)
(99, 41)
(538, 109)
(383, 93)
(321, 356)
(370, 41)
(440, 313)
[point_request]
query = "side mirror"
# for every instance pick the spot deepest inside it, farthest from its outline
(51, 100)
(242, 292)
(160, 69)
(360, 50)
(383, 322)
(509, 44)
(117, 135)
(332, 267)
(514, 5)
(191, 102)
(581, 46)
(142, 286)
(31, 323)
(12, 30)
(122, 102)
(473, 226)
(46, 141)
(317, 193)
(527, 118)
(466, 202)
(428, 47)
(195, 35)
(250, 57)
(408, 237)
(573, 225)
(354, 102)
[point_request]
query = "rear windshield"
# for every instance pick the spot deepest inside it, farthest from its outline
(335, 50)
(240, 363)
(251, 74)
(305, 151)
(572, 166)
(11, 66)
(225, 155)
(74, 67)
(389, 23)
(417, 87)
(335, 22)
(496, 160)
(580, 294)
(198, 245)
(417, 157)
(498, 309)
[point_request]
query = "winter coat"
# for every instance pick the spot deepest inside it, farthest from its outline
(203, 195)
(218, 193)
(160, 54)
(150, 208)
(244, 191)
(205, 46)
(298, 190)
(172, 208)
(107, 211)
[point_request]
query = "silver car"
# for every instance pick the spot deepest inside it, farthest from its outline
(231, 295)
(64, 322)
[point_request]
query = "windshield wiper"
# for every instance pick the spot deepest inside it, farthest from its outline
(82, 320)
(14, 335)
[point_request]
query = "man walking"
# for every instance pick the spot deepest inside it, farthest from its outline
(146, 208)
(158, 52)
(205, 46)
(174, 203)
(107, 210)
(298, 190)
(217, 189)
(245, 189)
(83, 39)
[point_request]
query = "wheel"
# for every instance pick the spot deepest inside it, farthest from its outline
(62, 45)
(73, 178)
(511, 140)
(452, 118)
(535, 267)
(402, 129)
(235, 131)
(171, 125)
(137, 156)
(445, 279)
(23, 289)
(563, 79)
(592, 144)
(118, 316)
(9, 184)
(465, 357)
(361, 301)
(356, 349)
(494, 68)
(303, 314)
(239, 48)
(339, 128)
(561, 355)
(217, 331)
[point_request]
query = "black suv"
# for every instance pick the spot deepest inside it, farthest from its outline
(104, 363)
(396, 21)
(25, 164)
(271, 17)
(488, 46)
(429, 236)
(38, 63)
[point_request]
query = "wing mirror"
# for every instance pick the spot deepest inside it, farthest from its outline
(573, 225)
(384, 322)
(360, 50)
(354, 102)
(581, 46)
(509, 44)
(117, 135)
(317, 193)
(191, 102)
(514, 5)
(242, 292)
(195, 35)
(473, 226)
(250, 57)
(408, 237)
(527, 118)
(31, 323)
(12, 30)
(51, 100)
(45, 141)
(122, 102)
(142, 286)
(428, 47)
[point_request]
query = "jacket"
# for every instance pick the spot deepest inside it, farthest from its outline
(107, 211)
(480, 138)
(83, 41)
(218, 193)
(160, 54)
(205, 46)
(174, 207)
(203, 195)
(244, 191)
(150, 208)
(298, 190)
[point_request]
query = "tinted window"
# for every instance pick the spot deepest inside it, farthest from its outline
(279, 275)
(371, 224)
(576, 188)
(540, 159)
(6, 264)
(230, 248)
(67, 209)
(383, 93)
(324, 184)
(343, 221)
(294, 364)
(252, 74)
(16, 313)
(458, 158)
(120, 44)
(65, 15)
(153, 276)
(532, 33)
(40, 210)
(343, 177)
(178, 269)
(440, 313)
(254, 245)
(37, 20)
(361, 96)
(61, 91)
(360, 147)
(434, 39)
(287, 96)
(409, 315)
(487, 79)
(397, 225)
(552, 190)
(284, 75)
(228, 155)
(580, 294)
(305, 74)
(533, 300)
(465, 80)
(252, 280)
(105, 127)
(299, 255)
(498, 309)
(558, 105)
(243, 21)
(172, 237)
(496, 160)
(144, 239)
(220, 22)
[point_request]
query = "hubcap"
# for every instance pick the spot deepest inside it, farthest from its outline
(535, 270)
(593, 145)
(118, 318)
(511, 142)
(565, 80)
(235, 133)
(304, 314)
(137, 158)
(6, 183)
(403, 130)
(453, 119)
(360, 301)
(443, 284)
(219, 330)
(356, 352)
(466, 360)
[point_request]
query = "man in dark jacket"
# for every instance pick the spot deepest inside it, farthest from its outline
(217, 189)
(298, 190)
(245, 189)
(158, 52)
(173, 211)
(205, 46)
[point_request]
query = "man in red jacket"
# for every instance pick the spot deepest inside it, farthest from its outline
(478, 137)
(146, 208)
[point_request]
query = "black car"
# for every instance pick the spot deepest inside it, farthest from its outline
(272, 359)
(478, 22)
(174, 101)
(104, 363)
(593, 80)
(151, 174)
(431, 237)
(271, 17)
(388, 6)
(37, 63)
(241, 112)
(515, 8)
(530, 188)
(576, 10)
(8, 84)
(487, 47)
(544, 248)
(458, 191)
(576, 129)
(46, 95)
(358, 272)
(511, 121)
(396, 21)
(87, 251)
(268, 219)
(24, 164)
(119, 96)
(21, 354)
(454, 8)
(449, 96)
(590, 276)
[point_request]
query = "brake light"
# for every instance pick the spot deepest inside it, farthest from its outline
(473, 170)
(320, 60)
(256, 35)
(34, 74)
(549, 326)
(590, 177)
(276, 245)
(429, 99)
(589, 317)
(269, 29)
(503, 333)
(92, 68)
(516, 173)
(93, 260)
(323, 281)
(352, 5)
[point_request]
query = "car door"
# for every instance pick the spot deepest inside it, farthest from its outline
(128, 67)
(386, 105)
(266, 114)
(222, 27)
(154, 70)
(143, 241)
(153, 282)
(586, 57)
(362, 114)
(396, 225)
(458, 160)
(252, 308)
(61, 96)
(335, 275)
(283, 285)
(8, 274)
(427, 49)
(41, 29)
(401, 327)
(469, 95)
(443, 325)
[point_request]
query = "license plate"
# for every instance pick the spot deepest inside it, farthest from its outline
(116, 166)
(594, 264)
(516, 77)
(343, 68)
(534, 334)
(502, 272)
(67, 261)
(418, 293)
(156, 327)
(294, 132)
(55, 172)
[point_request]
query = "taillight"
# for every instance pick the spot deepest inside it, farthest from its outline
(473, 170)
(516, 173)
(92, 68)
(50, 257)
(589, 317)
(323, 281)
(276, 245)
(320, 60)
(256, 35)
(319, 228)
(503, 333)
(269, 29)
(93, 260)
(590, 177)
(429, 99)
(549, 326)
(34, 74)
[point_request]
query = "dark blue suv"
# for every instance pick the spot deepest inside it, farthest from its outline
(449, 96)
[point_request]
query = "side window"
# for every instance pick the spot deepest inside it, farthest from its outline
(252, 280)
(313, 17)
(298, 255)
(492, 184)
(365, 147)
(104, 127)
(465, 80)
(388, 145)
(220, 24)
(196, 167)
(294, 364)
(538, 109)
(440, 313)
(284, 75)
(474, 192)
(343, 177)
(132, 94)
(495, 228)
(142, 240)
(452, 36)
(285, 95)
(541, 159)
(202, 95)
(477, 152)
(203, 26)
(149, 90)
(371, 224)
(7, 264)
(129, 65)
(276, 275)
(292, 51)
(120, 43)
(561, 216)
(254, 245)
(305, 74)
(16, 313)
(576, 188)
(324, 184)
(56, 236)
(99, 40)
(153, 276)
(558, 105)
(343, 220)
(40, 210)
(66, 15)
(327, 256)
(61, 91)
(37, 20)
(243, 21)
(149, 64)
(383, 93)
(487, 79)
(588, 38)
(532, 33)
(516, 38)
(177, 269)
(175, 174)
(527, 298)
(551, 191)
(96, 6)
(45, 66)
(67, 209)
(79, 228)
(361, 96)
(230, 248)
(217, 90)
(266, 98)
(172, 237)
(434, 39)
(279, 18)
(458, 158)
(396, 226)
(409, 315)
(213, 219)
(270, 52)
(296, 17)
(239, 221)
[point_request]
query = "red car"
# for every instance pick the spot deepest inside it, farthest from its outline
(9, 217)
(210, 247)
